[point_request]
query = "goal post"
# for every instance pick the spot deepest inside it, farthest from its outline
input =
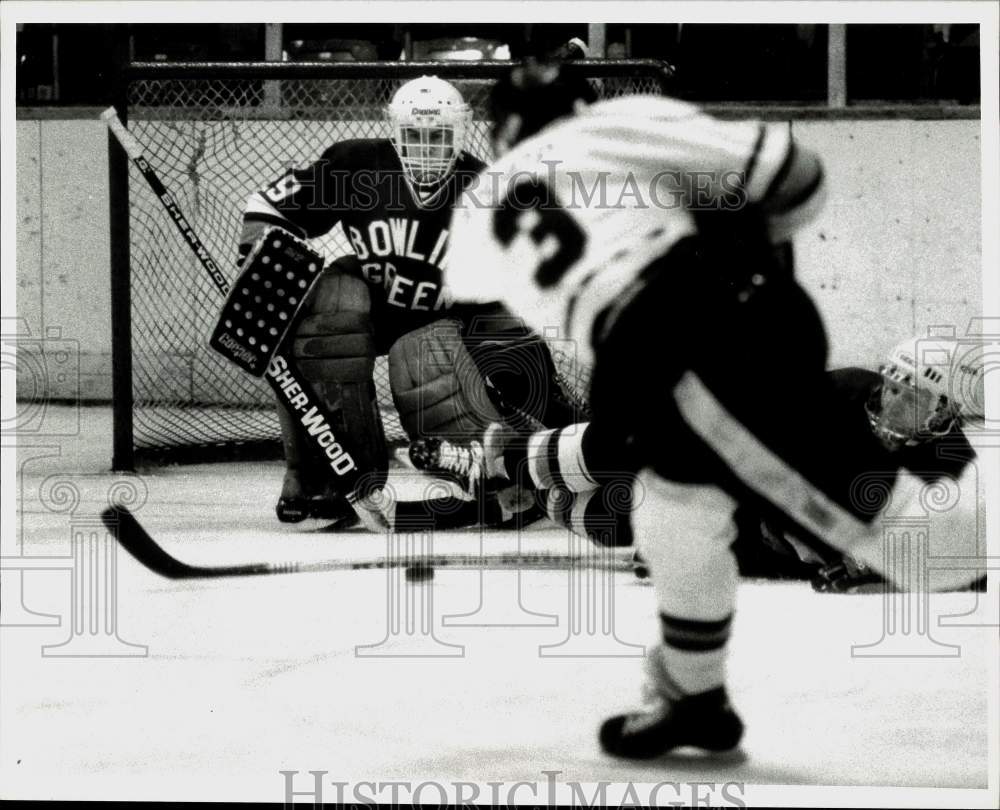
(214, 133)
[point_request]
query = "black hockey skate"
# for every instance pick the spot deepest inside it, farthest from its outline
(705, 721)
(461, 463)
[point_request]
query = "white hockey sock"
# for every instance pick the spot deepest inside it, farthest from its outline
(684, 533)
(694, 652)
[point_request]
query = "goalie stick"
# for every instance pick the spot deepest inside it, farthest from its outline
(134, 538)
(282, 366)
(284, 369)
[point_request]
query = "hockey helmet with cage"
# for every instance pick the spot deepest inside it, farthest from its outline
(430, 124)
(925, 391)
(531, 96)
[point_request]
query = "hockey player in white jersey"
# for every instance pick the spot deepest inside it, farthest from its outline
(565, 223)
(657, 239)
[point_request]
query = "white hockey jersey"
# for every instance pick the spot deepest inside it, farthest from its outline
(560, 226)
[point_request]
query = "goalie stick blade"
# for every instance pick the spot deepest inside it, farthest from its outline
(131, 536)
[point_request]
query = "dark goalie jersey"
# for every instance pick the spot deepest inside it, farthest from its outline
(399, 235)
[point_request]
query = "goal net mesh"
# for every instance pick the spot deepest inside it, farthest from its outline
(213, 141)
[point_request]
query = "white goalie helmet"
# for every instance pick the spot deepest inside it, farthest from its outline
(926, 389)
(430, 125)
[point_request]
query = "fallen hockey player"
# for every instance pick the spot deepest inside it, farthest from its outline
(578, 486)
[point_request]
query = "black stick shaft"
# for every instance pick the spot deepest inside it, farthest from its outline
(134, 538)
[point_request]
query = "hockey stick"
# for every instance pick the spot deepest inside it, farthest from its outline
(290, 375)
(134, 538)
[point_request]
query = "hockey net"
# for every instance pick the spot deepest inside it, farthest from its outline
(214, 134)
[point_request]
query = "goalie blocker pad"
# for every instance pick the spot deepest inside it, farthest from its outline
(265, 299)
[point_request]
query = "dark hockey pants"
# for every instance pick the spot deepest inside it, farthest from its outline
(715, 373)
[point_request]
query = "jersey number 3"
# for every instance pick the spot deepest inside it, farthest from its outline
(530, 208)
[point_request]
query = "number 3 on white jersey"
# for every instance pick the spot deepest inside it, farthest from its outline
(530, 209)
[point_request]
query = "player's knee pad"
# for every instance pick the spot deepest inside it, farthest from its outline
(334, 348)
(436, 387)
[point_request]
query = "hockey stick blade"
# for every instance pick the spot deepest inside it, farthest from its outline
(131, 536)
(134, 538)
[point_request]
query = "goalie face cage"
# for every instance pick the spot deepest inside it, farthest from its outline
(214, 133)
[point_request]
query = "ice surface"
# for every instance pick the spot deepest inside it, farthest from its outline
(248, 677)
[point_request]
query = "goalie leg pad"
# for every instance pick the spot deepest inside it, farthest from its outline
(307, 489)
(335, 351)
(436, 387)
